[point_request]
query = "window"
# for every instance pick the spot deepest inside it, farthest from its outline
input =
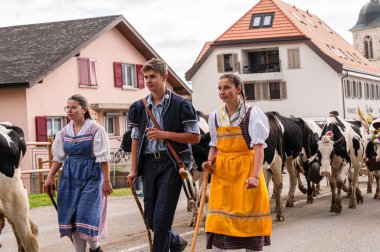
(368, 50)
(256, 22)
(348, 89)
(227, 63)
(262, 20)
(249, 90)
(54, 124)
(360, 91)
(274, 90)
(109, 125)
(366, 90)
(293, 58)
(372, 91)
(129, 75)
(354, 89)
(87, 73)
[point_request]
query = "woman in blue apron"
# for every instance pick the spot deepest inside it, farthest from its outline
(83, 147)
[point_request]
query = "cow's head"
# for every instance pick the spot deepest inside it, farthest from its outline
(12, 148)
(374, 130)
(325, 152)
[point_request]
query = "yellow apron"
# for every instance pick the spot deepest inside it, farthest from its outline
(235, 210)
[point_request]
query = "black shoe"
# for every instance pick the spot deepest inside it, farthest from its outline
(99, 249)
(183, 243)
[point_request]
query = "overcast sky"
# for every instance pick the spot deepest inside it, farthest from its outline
(176, 29)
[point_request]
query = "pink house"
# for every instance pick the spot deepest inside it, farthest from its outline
(43, 64)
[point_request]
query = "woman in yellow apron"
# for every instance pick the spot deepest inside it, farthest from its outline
(239, 210)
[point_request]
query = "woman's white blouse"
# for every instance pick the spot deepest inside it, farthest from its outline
(258, 126)
(101, 149)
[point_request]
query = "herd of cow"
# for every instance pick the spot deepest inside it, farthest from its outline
(338, 149)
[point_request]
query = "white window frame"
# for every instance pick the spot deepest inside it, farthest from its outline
(106, 125)
(124, 67)
(52, 119)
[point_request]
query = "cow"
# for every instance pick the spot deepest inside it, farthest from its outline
(373, 156)
(14, 203)
(341, 151)
(297, 142)
(274, 157)
(307, 163)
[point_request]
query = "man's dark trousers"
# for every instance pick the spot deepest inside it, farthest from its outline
(162, 186)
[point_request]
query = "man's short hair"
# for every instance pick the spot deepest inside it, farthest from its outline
(334, 113)
(156, 65)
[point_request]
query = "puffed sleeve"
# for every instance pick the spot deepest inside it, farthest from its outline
(57, 149)
(133, 115)
(258, 127)
(187, 114)
(101, 146)
(212, 127)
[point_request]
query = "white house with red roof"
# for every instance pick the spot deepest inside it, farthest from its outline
(291, 62)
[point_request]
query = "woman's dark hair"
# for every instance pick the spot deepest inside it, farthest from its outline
(235, 79)
(83, 102)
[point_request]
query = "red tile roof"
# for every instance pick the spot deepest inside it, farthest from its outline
(203, 51)
(291, 22)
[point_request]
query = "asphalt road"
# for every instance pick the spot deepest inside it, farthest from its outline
(306, 227)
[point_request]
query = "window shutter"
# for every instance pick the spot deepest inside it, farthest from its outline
(235, 63)
(140, 76)
(290, 58)
(283, 90)
(297, 63)
(84, 72)
(41, 129)
(265, 89)
(258, 95)
(219, 58)
(118, 74)
(92, 72)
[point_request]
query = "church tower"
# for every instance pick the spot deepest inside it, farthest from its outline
(366, 32)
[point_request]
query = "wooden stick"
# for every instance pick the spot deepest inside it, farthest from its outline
(131, 185)
(200, 211)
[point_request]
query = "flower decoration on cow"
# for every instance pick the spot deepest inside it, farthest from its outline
(376, 136)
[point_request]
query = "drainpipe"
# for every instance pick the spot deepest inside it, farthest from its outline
(344, 104)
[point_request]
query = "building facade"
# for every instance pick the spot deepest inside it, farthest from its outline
(291, 62)
(366, 32)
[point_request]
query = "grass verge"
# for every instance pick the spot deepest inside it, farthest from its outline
(39, 200)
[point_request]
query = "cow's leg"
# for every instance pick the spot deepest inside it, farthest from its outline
(340, 175)
(349, 187)
(293, 181)
(301, 187)
(276, 170)
(332, 182)
(2, 223)
(268, 174)
(310, 198)
(355, 190)
(377, 176)
(370, 179)
(19, 244)
(23, 227)
(316, 189)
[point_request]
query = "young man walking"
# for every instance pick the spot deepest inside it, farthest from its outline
(152, 159)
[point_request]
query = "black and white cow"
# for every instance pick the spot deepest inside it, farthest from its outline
(373, 156)
(274, 156)
(297, 138)
(341, 151)
(14, 203)
(308, 163)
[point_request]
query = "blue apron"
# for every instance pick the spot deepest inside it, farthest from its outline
(80, 188)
